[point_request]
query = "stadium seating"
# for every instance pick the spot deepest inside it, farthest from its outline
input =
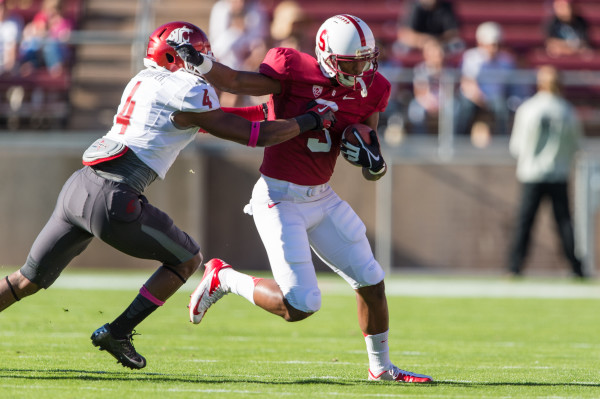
(40, 100)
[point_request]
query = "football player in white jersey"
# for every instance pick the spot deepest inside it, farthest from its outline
(161, 110)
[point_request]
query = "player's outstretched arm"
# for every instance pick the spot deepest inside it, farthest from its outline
(262, 134)
(224, 78)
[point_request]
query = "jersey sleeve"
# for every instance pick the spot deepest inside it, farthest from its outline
(276, 63)
(200, 98)
(384, 96)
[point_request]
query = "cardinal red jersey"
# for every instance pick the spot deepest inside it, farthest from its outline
(309, 159)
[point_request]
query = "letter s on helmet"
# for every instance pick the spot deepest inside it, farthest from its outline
(347, 38)
(159, 53)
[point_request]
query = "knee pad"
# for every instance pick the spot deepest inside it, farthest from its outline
(371, 274)
(306, 300)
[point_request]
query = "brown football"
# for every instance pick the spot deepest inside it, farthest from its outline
(363, 131)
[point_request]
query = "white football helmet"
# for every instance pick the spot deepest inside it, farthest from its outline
(346, 38)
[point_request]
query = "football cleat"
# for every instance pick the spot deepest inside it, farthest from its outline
(120, 349)
(208, 291)
(396, 374)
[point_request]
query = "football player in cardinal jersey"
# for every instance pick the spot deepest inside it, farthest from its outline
(161, 110)
(293, 206)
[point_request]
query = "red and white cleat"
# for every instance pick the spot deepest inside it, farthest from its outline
(208, 291)
(396, 374)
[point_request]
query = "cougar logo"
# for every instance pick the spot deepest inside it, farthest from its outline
(181, 35)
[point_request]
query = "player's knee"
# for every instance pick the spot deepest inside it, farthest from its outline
(21, 286)
(294, 314)
(304, 301)
(189, 267)
(372, 274)
(373, 292)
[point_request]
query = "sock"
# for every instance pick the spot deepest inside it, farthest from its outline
(141, 307)
(238, 283)
(378, 351)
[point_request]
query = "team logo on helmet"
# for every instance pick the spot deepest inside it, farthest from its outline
(317, 90)
(181, 35)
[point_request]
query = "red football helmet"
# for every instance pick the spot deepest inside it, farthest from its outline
(163, 55)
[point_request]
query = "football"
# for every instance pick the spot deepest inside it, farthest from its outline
(363, 131)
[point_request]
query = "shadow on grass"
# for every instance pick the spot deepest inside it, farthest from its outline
(131, 376)
(86, 375)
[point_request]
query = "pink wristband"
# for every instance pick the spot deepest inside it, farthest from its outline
(254, 134)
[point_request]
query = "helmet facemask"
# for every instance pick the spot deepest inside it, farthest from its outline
(352, 78)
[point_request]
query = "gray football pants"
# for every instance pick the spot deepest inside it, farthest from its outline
(90, 206)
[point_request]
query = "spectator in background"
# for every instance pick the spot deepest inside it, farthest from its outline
(429, 19)
(544, 140)
(10, 35)
(566, 31)
(288, 27)
(45, 39)
(238, 31)
(484, 86)
(426, 86)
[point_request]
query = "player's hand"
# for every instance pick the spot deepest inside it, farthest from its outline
(323, 114)
(365, 155)
(187, 52)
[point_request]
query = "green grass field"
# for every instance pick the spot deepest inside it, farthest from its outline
(475, 346)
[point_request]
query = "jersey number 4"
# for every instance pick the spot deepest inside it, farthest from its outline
(124, 116)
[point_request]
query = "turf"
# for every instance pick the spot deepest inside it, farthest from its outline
(474, 347)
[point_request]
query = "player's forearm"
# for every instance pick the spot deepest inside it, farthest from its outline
(277, 131)
(240, 82)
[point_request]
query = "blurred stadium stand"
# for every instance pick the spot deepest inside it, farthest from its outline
(41, 100)
(110, 35)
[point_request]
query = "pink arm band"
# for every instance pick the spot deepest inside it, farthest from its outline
(254, 134)
(146, 294)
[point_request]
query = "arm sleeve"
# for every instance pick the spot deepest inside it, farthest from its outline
(516, 134)
(253, 114)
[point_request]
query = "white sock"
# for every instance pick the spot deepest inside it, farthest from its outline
(378, 351)
(238, 283)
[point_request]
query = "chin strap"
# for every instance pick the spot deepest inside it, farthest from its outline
(363, 87)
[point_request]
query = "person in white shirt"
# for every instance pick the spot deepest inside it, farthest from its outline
(545, 139)
(483, 87)
(10, 34)
(161, 111)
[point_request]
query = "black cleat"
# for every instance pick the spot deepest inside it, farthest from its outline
(121, 349)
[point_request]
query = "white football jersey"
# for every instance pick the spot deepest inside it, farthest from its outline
(143, 119)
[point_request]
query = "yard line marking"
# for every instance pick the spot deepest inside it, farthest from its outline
(396, 285)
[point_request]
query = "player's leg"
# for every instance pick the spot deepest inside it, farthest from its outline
(340, 241)
(128, 223)
(55, 246)
(15, 287)
(531, 196)
(562, 215)
(220, 279)
(293, 293)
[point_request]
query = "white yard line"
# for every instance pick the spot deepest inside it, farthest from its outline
(395, 286)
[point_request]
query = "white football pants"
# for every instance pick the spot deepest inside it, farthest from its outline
(291, 219)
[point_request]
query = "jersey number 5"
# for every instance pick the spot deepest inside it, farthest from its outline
(315, 145)
(124, 116)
